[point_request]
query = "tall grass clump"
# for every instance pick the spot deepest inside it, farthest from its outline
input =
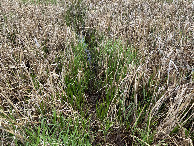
(75, 15)
(112, 62)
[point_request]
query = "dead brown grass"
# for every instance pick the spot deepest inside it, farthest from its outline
(32, 36)
(21, 55)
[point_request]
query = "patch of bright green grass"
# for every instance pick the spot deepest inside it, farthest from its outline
(113, 59)
(77, 78)
(59, 130)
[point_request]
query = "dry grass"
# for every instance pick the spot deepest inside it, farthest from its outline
(21, 57)
(36, 55)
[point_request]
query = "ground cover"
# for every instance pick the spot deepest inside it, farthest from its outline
(84, 72)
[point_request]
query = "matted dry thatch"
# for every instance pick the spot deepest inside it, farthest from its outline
(32, 36)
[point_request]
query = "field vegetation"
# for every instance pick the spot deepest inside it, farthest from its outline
(96, 72)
